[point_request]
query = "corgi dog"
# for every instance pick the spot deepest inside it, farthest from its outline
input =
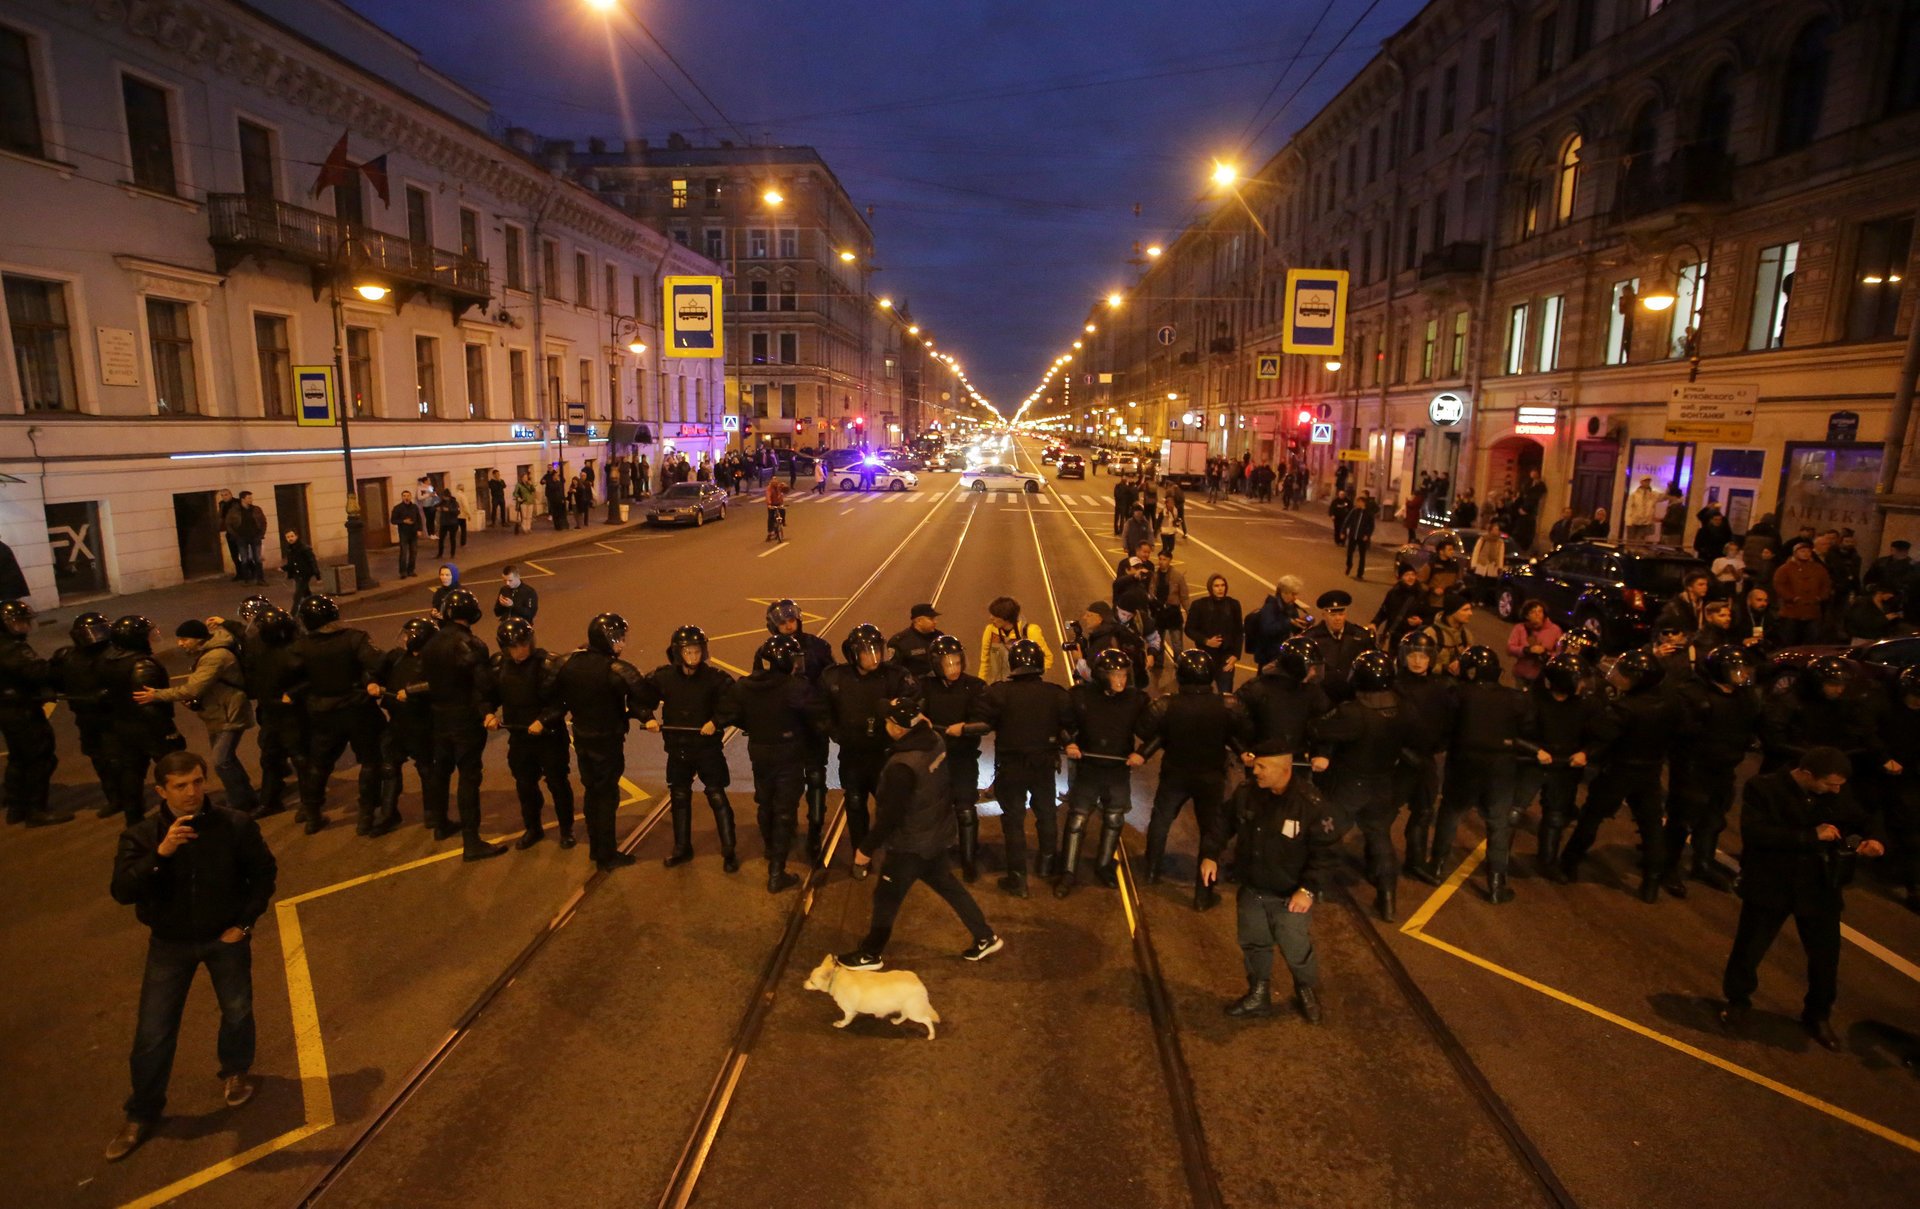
(897, 994)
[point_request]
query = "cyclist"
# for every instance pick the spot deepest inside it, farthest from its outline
(776, 510)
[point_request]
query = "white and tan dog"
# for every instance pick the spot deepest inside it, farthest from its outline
(898, 994)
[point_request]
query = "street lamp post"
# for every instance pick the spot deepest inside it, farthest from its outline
(372, 291)
(627, 328)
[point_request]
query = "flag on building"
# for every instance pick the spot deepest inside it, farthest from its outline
(376, 173)
(336, 171)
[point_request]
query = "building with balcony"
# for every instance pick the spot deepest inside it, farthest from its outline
(188, 186)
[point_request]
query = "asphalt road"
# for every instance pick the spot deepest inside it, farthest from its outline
(584, 1077)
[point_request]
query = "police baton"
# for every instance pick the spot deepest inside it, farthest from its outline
(1087, 755)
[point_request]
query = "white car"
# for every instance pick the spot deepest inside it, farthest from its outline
(885, 478)
(998, 476)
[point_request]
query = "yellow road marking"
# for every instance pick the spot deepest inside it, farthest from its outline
(1882, 952)
(1416, 928)
(773, 549)
(188, 1183)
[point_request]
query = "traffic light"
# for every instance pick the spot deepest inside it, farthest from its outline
(860, 422)
(1302, 434)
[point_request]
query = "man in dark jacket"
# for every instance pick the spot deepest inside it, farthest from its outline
(1358, 745)
(459, 679)
(602, 693)
(246, 524)
(853, 700)
(1194, 729)
(136, 734)
(407, 520)
(1105, 724)
(774, 706)
(1356, 533)
(340, 663)
(1286, 841)
(914, 824)
(515, 599)
(1030, 716)
(1722, 718)
(302, 567)
(198, 876)
(909, 648)
(408, 735)
(1800, 832)
(1216, 627)
(1340, 641)
(952, 700)
(26, 685)
(1640, 725)
(525, 703)
(691, 692)
(79, 673)
(1487, 716)
(816, 656)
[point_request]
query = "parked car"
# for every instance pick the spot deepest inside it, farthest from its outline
(1070, 466)
(1419, 554)
(687, 504)
(1123, 464)
(1610, 589)
(998, 476)
(1874, 662)
(885, 478)
(1050, 455)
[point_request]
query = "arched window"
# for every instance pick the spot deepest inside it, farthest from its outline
(1642, 141)
(1803, 90)
(1714, 134)
(1569, 181)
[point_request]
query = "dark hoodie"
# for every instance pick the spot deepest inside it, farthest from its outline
(914, 813)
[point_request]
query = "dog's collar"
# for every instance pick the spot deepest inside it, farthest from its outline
(837, 967)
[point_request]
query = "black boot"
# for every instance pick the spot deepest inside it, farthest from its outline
(969, 845)
(682, 808)
(1551, 836)
(1309, 998)
(1070, 865)
(1106, 862)
(816, 815)
(1705, 870)
(1649, 887)
(1912, 899)
(1420, 862)
(723, 825)
(778, 878)
(1498, 891)
(1258, 1001)
(1674, 881)
(1384, 895)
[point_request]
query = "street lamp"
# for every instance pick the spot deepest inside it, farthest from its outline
(1091, 328)
(1224, 174)
(1153, 251)
(772, 197)
(847, 257)
(886, 304)
(1661, 299)
(1114, 300)
(1331, 365)
(373, 290)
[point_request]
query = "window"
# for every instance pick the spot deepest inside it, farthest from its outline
(1582, 40)
(789, 296)
(1517, 338)
(715, 243)
(517, 384)
(42, 343)
(419, 218)
(516, 270)
(1643, 137)
(713, 192)
(609, 298)
(555, 395)
(1417, 135)
(360, 371)
(1879, 263)
(636, 296)
(586, 385)
(757, 393)
(1483, 77)
(476, 381)
(679, 195)
(789, 348)
(1428, 341)
(756, 295)
(757, 243)
(149, 134)
(789, 243)
(1714, 135)
(257, 176)
(1550, 315)
(176, 391)
(1689, 301)
(1353, 177)
(1449, 95)
(550, 268)
(1373, 154)
(1545, 35)
(789, 400)
(274, 352)
(1438, 227)
(639, 392)
(1458, 360)
(1366, 256)
(582, 279)
(349, 203)
(426, 373)
(757, 344)
(19, 96)
(681, 237)
(1903, 83)
(1624, 297)
(1772, 287)
(1400, 360)
(1530, 198)
(469, 234)
(1410, 248)
(1803, 87)
(1568, 184)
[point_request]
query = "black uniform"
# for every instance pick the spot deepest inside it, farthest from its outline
(1029, 716)
(1429, 702)
(1897, 796)
(80, 676)
(908, 649)
(1362, 740)
(523, 694)
(1284, 842)
(601, 693)
(1339, 653)
(1281, 709)
(854, 705)
(1637, 728)
(1480, 770)
(459, 676)
(409, 731)
(137, 735)
(692, 699)
(339, 664)
(1105, 726)
(1721, 725)
(950, 703)
(818, 655)
(1563, 728)
(1805, 717)
(1193, 730)
(26, 685)
(276, 680)
(777, 712)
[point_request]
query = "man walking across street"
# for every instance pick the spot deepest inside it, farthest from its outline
(198, 876)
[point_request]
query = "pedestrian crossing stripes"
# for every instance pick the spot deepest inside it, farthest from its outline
(1077, 500)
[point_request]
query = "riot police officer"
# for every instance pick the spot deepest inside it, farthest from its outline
(277, 683)
(342, 667)
(1104, 725)
(1029, 716)
(602, 692)
(1487, 717)
(952, 701)
(690, 690)
(1896, 783)
(80, 675)
(1287, 695)
(526, 705)
(1640, 725)
(26, 685)
(775, 707)
(816, 656)
(1192, 730)
(1427, 696)
(1361, 742)
(137, 734)
(408, 735)
(1819, 709)
(1588, 655)
(1723, 715)
(459, 679)
(1566, 718)
(854, 696)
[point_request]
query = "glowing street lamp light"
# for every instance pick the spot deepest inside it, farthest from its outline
(1153, 251)
(846, 257)
(604, 6)
(886, 304)
(1114, 300)
(1224, 174)
(1659, 300)
(636, 348)
(772, 197)
(372, 291)
(1091, 328)
(1332, 365)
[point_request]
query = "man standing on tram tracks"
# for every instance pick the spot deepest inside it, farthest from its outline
(602, 692)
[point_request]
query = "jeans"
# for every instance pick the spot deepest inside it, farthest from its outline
(1264, 921)
(232, 773)
(250, 557)
(163, 997)
(901, 871)
(409, 550)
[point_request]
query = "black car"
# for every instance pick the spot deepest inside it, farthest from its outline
(1610, 589)
(1070, 466)
(687, 504)
(1878, 662)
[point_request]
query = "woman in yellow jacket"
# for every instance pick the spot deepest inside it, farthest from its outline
(1004, 628)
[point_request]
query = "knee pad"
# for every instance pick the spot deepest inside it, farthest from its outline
(1076, 822)
(717, 798)
(968, 814)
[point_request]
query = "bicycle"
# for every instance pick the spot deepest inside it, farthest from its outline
(777, 524)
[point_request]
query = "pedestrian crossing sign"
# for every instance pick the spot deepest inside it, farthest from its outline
(1266, 367)
(1322, 434)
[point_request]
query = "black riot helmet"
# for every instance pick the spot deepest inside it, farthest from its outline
(1563, 674)
(1479, 665)
(255, 607)
(1827, 669)
(461, 605)
(946, 647)
(1192, 667)
(89, 630)
(684, 637)
(1025, 658)
(1908, 688)
(779, 613)
(1372, 672)
(415, 631)
(16, 615)
(1728, 666)
(276, 627)
(1637, 671)
(132, 633)
(513, 632)
(781, 654)
(864, 637)
(604, 631)
(903, 712)
(318, 611)
(1113, 659)
(1419, 643)
(1300, 660)
(1582, 645)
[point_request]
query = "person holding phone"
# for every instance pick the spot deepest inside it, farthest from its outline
(198, 876)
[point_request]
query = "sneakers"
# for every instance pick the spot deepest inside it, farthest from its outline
(981, 949)
(239, 1089)
(130, 1138)
(860, 959)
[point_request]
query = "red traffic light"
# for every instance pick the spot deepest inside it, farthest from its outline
(859, 421)
(1306, 416)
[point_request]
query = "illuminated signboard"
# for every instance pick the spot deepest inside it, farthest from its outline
(1535, 421)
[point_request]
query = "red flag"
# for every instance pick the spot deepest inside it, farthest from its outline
(376, 171)
(337, 170)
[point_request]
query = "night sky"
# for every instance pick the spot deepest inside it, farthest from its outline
(1002, 146)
